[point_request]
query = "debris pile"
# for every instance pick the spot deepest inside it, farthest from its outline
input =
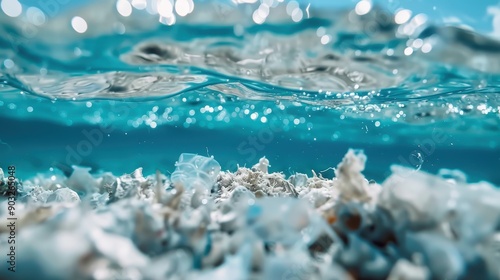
(204, 223)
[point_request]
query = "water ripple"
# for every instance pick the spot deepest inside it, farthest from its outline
(332, 65)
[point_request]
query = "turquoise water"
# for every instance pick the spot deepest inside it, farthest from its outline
(132, 92)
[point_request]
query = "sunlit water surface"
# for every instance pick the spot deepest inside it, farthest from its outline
(300, 84)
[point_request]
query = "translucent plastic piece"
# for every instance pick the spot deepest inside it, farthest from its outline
(65, 195)
(415, 197)
(364, 258)
(286, 220)
(421, 200)
(440, 255)
(81, 181)
(194, 171)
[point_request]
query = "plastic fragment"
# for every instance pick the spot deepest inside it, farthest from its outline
(194, 171)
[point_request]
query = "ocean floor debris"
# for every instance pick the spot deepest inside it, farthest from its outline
(205, 223)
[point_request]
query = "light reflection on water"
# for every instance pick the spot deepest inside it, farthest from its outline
(363, 73)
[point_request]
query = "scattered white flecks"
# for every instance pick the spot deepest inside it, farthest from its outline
(8, 63)
(402, 16)
(35, 16)
(139, 4)
(11, 8)
(325, 39)
(408, 51)
(124, 8)
(184, 7)
(426, 48)
(363, 7)
(79, 24)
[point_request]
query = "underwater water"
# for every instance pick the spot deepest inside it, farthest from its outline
(300, 92)
(120, 85)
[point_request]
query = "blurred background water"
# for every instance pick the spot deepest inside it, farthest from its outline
(116, 85)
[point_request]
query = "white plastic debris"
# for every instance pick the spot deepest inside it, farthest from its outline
(260, 183)
(81, 181)
(441, 255)
(490, 251)
(415, 196)
(470, 212)
(262, 166)
(351, 183)
(63, 195)
(255, 224)
(405, 270)
(286, 220)
(299, 180)
(118, 249)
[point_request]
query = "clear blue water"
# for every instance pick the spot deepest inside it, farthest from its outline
(132, 92)
(132, 86)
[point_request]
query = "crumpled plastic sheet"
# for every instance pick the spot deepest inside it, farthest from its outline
(204, 223)
(194, 171)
